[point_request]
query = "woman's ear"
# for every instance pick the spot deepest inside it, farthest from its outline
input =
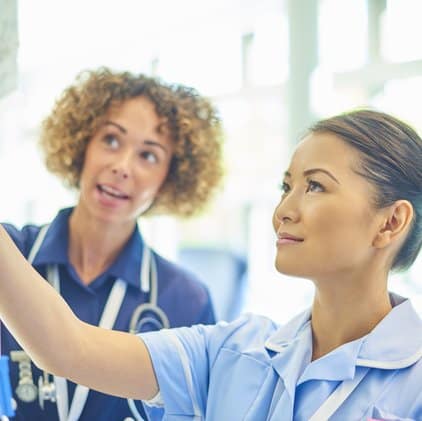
(396, 222)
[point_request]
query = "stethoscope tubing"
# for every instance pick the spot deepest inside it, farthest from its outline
(148, 284)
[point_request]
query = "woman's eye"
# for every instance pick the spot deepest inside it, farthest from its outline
(111, 141)
(284, 187)
(149, 156)
(314, 186)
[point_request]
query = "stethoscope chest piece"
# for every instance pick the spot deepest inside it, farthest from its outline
(46, 390)
(147, 316)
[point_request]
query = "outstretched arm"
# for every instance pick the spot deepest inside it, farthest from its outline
(112, 362)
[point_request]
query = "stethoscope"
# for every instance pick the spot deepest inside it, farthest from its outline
(145, 314)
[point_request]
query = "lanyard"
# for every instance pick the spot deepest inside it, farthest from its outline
(108, 318)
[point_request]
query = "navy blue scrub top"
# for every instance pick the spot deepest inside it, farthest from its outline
(183, 298)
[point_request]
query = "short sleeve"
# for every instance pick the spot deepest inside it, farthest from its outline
(181, 365)
(183, 359)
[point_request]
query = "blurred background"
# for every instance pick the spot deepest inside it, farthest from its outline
(271, 66)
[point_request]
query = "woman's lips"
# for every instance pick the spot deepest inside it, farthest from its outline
(111, 191)
(286, 238)
(282, 241)
(108, 200)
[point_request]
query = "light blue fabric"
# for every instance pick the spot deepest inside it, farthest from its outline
(253, 370)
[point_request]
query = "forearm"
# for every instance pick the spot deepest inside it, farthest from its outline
(60, 343)
(31, 309)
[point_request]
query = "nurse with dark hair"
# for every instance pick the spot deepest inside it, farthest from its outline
(349, 214)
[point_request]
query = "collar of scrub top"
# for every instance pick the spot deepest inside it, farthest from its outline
(396, 342)
(54, 250)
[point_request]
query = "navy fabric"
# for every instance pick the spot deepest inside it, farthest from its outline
(185, 300)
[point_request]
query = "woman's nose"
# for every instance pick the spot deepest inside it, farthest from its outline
(280, 218)
(286, 211)
(120, 172)
(121, 166)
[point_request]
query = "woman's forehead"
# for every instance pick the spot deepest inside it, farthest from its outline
(325, 150)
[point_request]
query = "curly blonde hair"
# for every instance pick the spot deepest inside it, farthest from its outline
(196, 168)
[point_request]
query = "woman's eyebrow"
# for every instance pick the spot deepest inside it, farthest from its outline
(313, 171)
(118, 126)
(157, 144)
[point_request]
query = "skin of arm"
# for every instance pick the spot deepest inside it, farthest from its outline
(57, 341)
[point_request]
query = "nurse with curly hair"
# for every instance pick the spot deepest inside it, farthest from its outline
(130, 145)
(350, 212)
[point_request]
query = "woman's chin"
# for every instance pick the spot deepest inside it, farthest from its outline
(289, 269)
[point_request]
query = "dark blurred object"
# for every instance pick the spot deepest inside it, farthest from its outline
(6, 407)
(225, 274)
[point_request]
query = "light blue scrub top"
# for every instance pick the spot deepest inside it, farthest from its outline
(252, 369)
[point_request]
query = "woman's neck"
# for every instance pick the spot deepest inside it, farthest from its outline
(346, 311)
(94, 244)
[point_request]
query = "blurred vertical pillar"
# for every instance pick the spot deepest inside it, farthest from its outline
(303, 59)
(247, 43)
(375, 9)
(8, 46)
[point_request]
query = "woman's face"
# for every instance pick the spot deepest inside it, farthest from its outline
(126, 162)
(325, 222)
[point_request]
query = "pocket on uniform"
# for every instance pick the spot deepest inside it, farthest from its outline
(234, 372)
